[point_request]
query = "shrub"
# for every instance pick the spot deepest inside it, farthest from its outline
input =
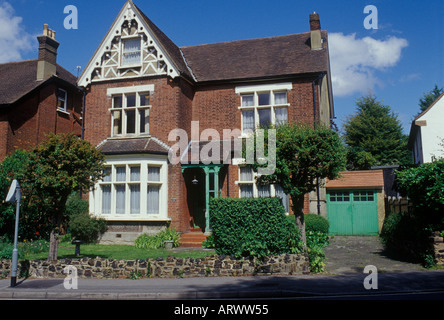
(76, 205)
(209, 242)
(157, 241)
(87, 228)
(252, 227)
(407, 236)
(316, 223)
(316, 230)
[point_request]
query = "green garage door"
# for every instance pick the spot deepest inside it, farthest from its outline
(352, 212)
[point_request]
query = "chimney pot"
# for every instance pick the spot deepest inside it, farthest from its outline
(315, 22)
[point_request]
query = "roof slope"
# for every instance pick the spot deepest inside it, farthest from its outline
(358, 180)
(169, 46)
(132, 146)
(19, 78)
(254, 58)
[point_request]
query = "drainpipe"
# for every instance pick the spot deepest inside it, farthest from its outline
(321, 75)
(83, 113)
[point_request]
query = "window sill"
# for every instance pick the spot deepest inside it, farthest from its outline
(63, 111)
(129, 137)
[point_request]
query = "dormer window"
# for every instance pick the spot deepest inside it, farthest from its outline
(131, 52)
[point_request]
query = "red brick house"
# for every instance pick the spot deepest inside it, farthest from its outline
(37, 97)
(140, 86)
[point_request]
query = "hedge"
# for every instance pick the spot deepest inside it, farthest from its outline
(252, 227)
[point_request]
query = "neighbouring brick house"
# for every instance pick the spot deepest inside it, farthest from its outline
(37, 97)
(140, 86)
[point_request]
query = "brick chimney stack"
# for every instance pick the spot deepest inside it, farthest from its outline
(315, 32)
(47, 61)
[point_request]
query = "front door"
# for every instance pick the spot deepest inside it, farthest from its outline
(195, 179)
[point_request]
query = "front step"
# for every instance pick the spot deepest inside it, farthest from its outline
(192, 239)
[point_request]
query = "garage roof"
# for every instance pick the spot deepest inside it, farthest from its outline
(368, 179)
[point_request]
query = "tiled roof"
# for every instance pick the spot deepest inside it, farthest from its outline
(254, 58)
(132, 146)
(202, 151)
(169, 46)
(19, 78)
(357, 179)
(245, 59)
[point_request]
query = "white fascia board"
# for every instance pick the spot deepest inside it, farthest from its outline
(96, 60)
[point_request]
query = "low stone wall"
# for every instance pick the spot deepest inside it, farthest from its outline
(438, 244)
(171, 267)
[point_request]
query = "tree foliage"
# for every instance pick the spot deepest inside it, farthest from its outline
(376, 130)
(304, 156)
(58, 166)
(429, 97)
(424, 185)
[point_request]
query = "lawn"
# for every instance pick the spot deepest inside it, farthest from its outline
(125, 252)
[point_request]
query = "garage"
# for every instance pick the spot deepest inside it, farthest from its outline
(355, 203)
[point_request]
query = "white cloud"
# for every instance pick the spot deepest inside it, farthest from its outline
(355, 61)
(13, 39)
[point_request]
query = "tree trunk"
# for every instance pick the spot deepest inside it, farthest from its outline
(298, 210)
(53, 245)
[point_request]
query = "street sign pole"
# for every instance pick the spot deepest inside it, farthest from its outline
(14, 195)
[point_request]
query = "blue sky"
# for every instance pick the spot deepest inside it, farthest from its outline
(398, 62)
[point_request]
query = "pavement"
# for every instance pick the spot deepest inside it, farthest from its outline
(344, 278)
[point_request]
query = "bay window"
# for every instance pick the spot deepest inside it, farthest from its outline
(132, 190)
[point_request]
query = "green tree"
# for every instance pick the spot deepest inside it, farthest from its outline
(304, 156)
(60, 165)
(32, 223)
(358, 159)
(429, 97)
(424, 186)
(375, 129)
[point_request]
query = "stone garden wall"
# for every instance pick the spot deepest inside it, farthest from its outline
(171, 267)
(438, 244)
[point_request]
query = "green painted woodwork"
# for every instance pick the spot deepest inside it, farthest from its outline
(352, 212)
(211, 187)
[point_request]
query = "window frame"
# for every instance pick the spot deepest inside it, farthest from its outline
(256, 92)
(253, 182)
(119, 115)
(65, 100)
(123, 53)
(97, 195)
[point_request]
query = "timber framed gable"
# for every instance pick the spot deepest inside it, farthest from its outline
(130, 49)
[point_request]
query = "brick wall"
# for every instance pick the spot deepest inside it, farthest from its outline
(29, 120)
(175, 103)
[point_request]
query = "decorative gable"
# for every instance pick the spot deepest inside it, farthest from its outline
(130, 49)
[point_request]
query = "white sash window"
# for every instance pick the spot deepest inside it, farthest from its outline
(131, 52)
(248, 188)
(263, 105)
(132, 190)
